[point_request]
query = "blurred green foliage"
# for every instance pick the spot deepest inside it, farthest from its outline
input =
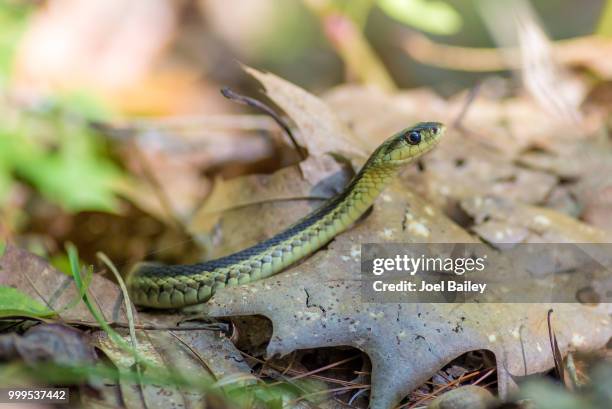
(234, 395)
(51, 147)
(435, 17)
(597, 394)
(13, 20)
(356, 10)
(299, 33)
(16, 303)
(280, 395)
(59, 155)
(604, 27)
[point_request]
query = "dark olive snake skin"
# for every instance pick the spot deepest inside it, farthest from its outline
(177, 286)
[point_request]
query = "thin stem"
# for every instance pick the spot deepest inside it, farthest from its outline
(252, 102)
(471, 96)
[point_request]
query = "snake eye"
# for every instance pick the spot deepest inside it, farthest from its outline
(413, 137)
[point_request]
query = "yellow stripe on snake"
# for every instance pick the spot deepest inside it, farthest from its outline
(176, 286)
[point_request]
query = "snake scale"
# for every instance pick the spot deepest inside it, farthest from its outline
(177, 286)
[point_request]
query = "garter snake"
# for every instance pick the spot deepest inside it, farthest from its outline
(176, 286)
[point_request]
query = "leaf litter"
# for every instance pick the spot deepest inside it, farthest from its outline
(189, 353)
(317, 303)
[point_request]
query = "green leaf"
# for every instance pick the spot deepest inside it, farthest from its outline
(60, 160)
(84, 104)
(356, 10)
(435, 17)
(604, 26)
(5, 183)
(547, 395)
(59, 155)
(61, 264)
(76, 176)
(13, 20)
(14, 303)
(76, 184)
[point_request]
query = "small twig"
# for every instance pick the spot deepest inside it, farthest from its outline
(471, 96)
(252, 102)
(311, 373)
(288, 368)
(458, 122)
(195, 353)
(438, 390)
(483, 377)
(150, 327)
(554, 346)
(323, 368)
(324, 391)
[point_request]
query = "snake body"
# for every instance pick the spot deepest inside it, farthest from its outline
(176, 286)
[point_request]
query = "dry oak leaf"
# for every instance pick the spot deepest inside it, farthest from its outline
(500, 220)
(35, 277)
(318, 304)
(320, 130)
(461, 167)
(229, 219)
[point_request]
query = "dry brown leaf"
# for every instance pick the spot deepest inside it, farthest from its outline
(318, 304)
(37, 278)
(586, 167)
(197, 353)
(236, 203)
(374, 115)
(320, 131)
(42, 343)
(462, 167)
(508, 150)
(170, 155)
(509, 125)
(500, 220)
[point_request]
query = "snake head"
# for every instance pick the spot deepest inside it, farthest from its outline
(410, 143)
